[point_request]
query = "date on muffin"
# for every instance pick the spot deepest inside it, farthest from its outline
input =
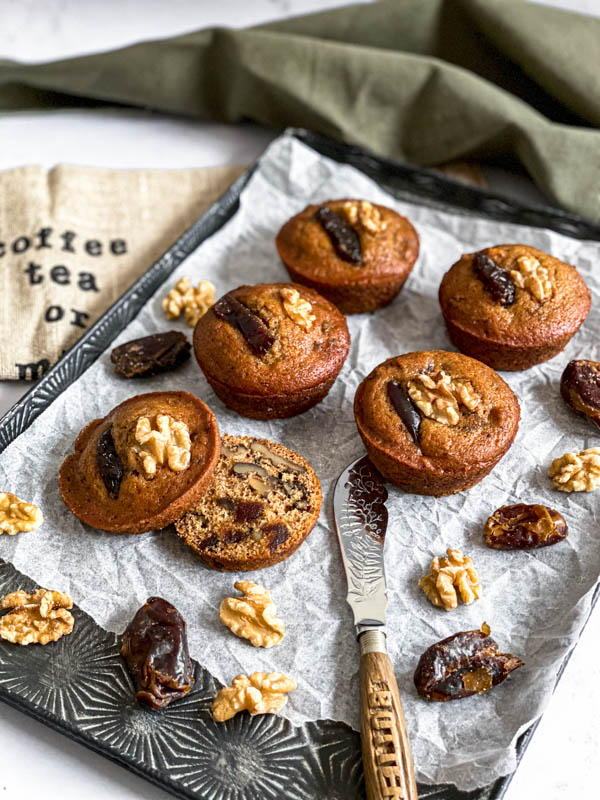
(434, 422)
(143, 465)
(263, 502)
(353, 252)
(271, 350)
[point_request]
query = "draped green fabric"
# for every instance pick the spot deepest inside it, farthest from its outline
(423, 81)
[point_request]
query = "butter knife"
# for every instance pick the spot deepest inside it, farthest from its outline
(361, 522)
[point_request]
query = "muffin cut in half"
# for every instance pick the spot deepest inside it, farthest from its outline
(512, 306)
(271, 350)
(143, 465)
(434, 422)
(263, 502)
(353, 252)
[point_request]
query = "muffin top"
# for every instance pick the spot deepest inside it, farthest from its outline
(387, 243)
(143, 465)
(514, 294)
(271, 338)
(437, 410)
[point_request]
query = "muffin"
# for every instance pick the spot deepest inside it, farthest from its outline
(143, 465)
(435, 422)
(261, 505)
(355, 253)
(512, 306)
(271, 350)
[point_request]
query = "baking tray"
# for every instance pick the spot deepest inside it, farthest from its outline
(80, 687)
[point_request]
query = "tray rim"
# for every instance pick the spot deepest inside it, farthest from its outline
(425, 186)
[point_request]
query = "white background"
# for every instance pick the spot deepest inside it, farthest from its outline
(561, 761)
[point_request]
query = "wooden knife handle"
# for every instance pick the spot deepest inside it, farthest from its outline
(387, 760)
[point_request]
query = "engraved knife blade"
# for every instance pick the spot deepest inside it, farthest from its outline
(361, 521)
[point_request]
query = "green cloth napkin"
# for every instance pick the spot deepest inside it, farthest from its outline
(423, 81)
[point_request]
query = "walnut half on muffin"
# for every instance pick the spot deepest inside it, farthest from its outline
(435, 422)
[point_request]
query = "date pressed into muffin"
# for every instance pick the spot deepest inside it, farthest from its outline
(262, 503)
(143, 465)
(271, 350)
(353, 252)
(512, 306)
(434, 422)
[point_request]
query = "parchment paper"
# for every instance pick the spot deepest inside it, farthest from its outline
(535, 602)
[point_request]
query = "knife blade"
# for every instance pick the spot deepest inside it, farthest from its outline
(361, 520)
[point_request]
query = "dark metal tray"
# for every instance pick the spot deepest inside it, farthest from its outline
(80, 686)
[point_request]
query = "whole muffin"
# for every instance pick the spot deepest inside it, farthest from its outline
(435, 422)
(261, 505)
(271, 350)
(355, 253)
(143, 465)
(512, 306)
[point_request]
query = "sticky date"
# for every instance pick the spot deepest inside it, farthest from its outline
(580, 388)
(462, 665)
(150, 355)
(496, 280)
(405, 408)
(524, 527)
(258, 337)
(109, 464)
(343, 237)
(155, 648)
(278, 534)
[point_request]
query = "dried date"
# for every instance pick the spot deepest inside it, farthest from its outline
(155, 648)
(151, 355)
(343, 237)
(462, 665)
(405, 408)
(496, 280)
(109, 464)
(258, 337)
(580, 388)
(524, 527)
(278, 534)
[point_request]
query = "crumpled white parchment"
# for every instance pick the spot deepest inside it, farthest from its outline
(536, 602)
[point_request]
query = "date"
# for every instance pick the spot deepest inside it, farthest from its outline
(343, 237)
(496, 280)
(151, 355)
(462, 665)
(155, 648)
(405, 408)
(524, 527)
(580, 388)
(109, 464)
(258, 337)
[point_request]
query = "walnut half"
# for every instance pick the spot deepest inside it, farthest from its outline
(297, 308)
(440, 397)
(252, 616)
(576, 472)
(530, 275)
(17, 515)
(167, 443)
(261, 693)
(36, 618)
(194, 301)
(449, 577)
(365, 214)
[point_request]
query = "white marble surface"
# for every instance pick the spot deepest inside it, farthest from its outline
(561, 761)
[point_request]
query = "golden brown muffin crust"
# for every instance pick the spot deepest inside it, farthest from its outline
(299, 359)
(142, 504)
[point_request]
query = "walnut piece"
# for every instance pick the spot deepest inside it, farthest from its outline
(169, 442)
(17, 515)
(440, 398)
(533, 277)
(451, 576)
(261, 693)
(576, 472)
(253, 616)
(36, 618)
(194, 301)
(365, 214)
(297, 308)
